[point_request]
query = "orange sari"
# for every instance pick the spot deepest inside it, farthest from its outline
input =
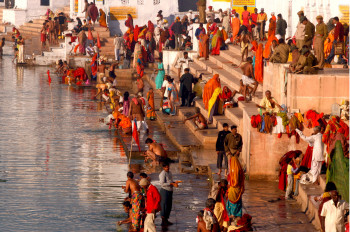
(102, 20)
(203, 45)
(259, 65)
(235, 24)
(236, 180)
(209, 89)
(328, 43)
(271, 36)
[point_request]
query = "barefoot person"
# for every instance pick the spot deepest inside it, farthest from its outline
(133, 188)
(248, 77)
(127, 209)
(155, 152)
(166, 192)
(269, 104)
(198, 119)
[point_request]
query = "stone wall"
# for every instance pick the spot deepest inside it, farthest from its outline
(306, 92)
(318, 92)
(262, 152)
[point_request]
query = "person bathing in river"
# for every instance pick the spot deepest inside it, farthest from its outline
(155, 152)
(134, 190)
(199, 120)
(128, 209)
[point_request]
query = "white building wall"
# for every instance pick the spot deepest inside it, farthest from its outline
(145, 12)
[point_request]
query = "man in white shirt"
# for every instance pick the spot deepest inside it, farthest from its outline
(300, 32)
(118, 45)
(315, 141)
(183, 63)
(334, 212)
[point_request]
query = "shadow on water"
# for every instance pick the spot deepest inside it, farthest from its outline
(60, 169)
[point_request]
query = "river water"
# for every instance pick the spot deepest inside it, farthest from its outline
(60, 169)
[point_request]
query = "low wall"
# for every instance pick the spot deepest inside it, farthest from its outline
(171, 56)
(262, 152)
(318, 92)
(306, 92)
(16, 17)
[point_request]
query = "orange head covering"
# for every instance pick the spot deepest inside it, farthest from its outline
(209, 88)
(236, 181)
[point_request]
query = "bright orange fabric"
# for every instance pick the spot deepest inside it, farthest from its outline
(236, 181)
(328, 43)
(259, 66)
(235, 24)
(209, 89)
(102, 20)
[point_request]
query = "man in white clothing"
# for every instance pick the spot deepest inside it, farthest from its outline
(118, 44)
(334, 212)
(315, 141)
(183, 63)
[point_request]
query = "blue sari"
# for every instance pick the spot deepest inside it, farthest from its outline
(160, 77)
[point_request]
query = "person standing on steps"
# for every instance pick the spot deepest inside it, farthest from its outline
(233, 142)
(186, 81)
(220, 149)
(166, 192)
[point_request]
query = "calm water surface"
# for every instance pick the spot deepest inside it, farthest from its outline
(60, 169)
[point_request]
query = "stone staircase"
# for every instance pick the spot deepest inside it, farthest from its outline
(60, 52)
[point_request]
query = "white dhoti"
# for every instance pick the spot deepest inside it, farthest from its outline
(312, 175)
(140, 125)
(149, 223)
(247, 80)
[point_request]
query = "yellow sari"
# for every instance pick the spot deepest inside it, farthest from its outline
(236, 181)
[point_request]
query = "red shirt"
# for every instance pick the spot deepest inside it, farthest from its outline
(153, 199)
(245, 18)
(254, 18)
(339, 32)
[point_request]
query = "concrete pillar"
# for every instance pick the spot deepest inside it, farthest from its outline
(313, 12)
(290, 18)
(71, 7)
(328, 11)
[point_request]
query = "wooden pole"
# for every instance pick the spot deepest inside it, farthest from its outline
(132, 139)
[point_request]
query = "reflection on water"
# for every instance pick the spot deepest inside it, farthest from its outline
(62, 173)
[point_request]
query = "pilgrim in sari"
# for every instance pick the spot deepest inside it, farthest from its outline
(20, 47)
(136, 33)
(209, 89)
(129, 22)
(137, 52)
(150, 114)
(236, 182)
(259, 64)
(271, 37)
(213, 104)
(173, 96)
(216, 40)
(126, 104)
(93, 12)
(140, 66)
(235, 25)
(160, 76)
(226, 97)
(328, 43)
(204, 45)
(102, 20)
(82, 40)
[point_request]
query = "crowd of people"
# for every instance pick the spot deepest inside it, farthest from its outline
(144, 200)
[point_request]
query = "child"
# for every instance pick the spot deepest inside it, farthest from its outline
(120, 109)
(127, 209)
(290, 172)
(16, 56)
(201, 227)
